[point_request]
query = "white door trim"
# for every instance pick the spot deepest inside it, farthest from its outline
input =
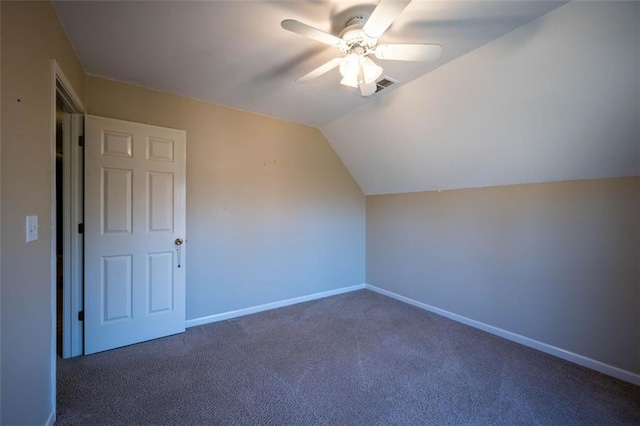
(72, 335)
(59, 85)
(66, 91)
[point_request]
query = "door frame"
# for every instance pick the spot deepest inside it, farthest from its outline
(73, 197)
(61, 86)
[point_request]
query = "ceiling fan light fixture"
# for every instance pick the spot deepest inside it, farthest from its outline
(350, 70)
(356, 68)
(370, 70)
(349, 82)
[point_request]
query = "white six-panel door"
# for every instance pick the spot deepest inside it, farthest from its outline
(134, 218)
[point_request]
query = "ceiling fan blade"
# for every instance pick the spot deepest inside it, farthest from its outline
(368, 89)
(383, 16)
(409, 52)
(311, 32)
(322, 69)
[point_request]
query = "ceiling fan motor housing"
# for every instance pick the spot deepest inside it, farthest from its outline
(354, 37)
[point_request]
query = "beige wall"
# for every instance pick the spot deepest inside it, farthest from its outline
(31, 36)
(556, 262)
(272, 213)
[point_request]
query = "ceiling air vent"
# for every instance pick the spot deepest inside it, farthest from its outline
(385, 83)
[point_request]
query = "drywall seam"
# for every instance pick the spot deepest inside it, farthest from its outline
(601, 367)
(268, 306)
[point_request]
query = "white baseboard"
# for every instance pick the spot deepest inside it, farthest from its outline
(610, 370)
(260, 308)
(51, 419)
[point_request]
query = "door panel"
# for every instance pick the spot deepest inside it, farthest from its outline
(160, 285)
(160, 202)
(134, 212)
(117, 200)
(117, 287)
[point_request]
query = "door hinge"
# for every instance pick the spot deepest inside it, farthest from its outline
(81, 140)
(81, 228)
(81, 316)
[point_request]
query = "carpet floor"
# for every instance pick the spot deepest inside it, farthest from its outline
(354, 359)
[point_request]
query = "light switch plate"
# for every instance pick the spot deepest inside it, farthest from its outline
(32, 228)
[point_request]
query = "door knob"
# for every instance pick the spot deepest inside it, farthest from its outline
(178, 242)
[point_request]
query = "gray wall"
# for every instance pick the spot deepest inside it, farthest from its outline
(272, 213)
(555, 262)
(31, 36)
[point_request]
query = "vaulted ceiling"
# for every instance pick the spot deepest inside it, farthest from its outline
(504, 103)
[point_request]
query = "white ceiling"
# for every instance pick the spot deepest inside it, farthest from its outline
(235, 53)
(525, 91)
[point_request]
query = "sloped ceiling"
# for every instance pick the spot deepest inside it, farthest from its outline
(553, 99)
(557, 99)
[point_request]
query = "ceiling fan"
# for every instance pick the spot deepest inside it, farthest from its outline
(359, 39)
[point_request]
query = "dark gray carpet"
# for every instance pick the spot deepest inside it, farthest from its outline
(353, 359)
